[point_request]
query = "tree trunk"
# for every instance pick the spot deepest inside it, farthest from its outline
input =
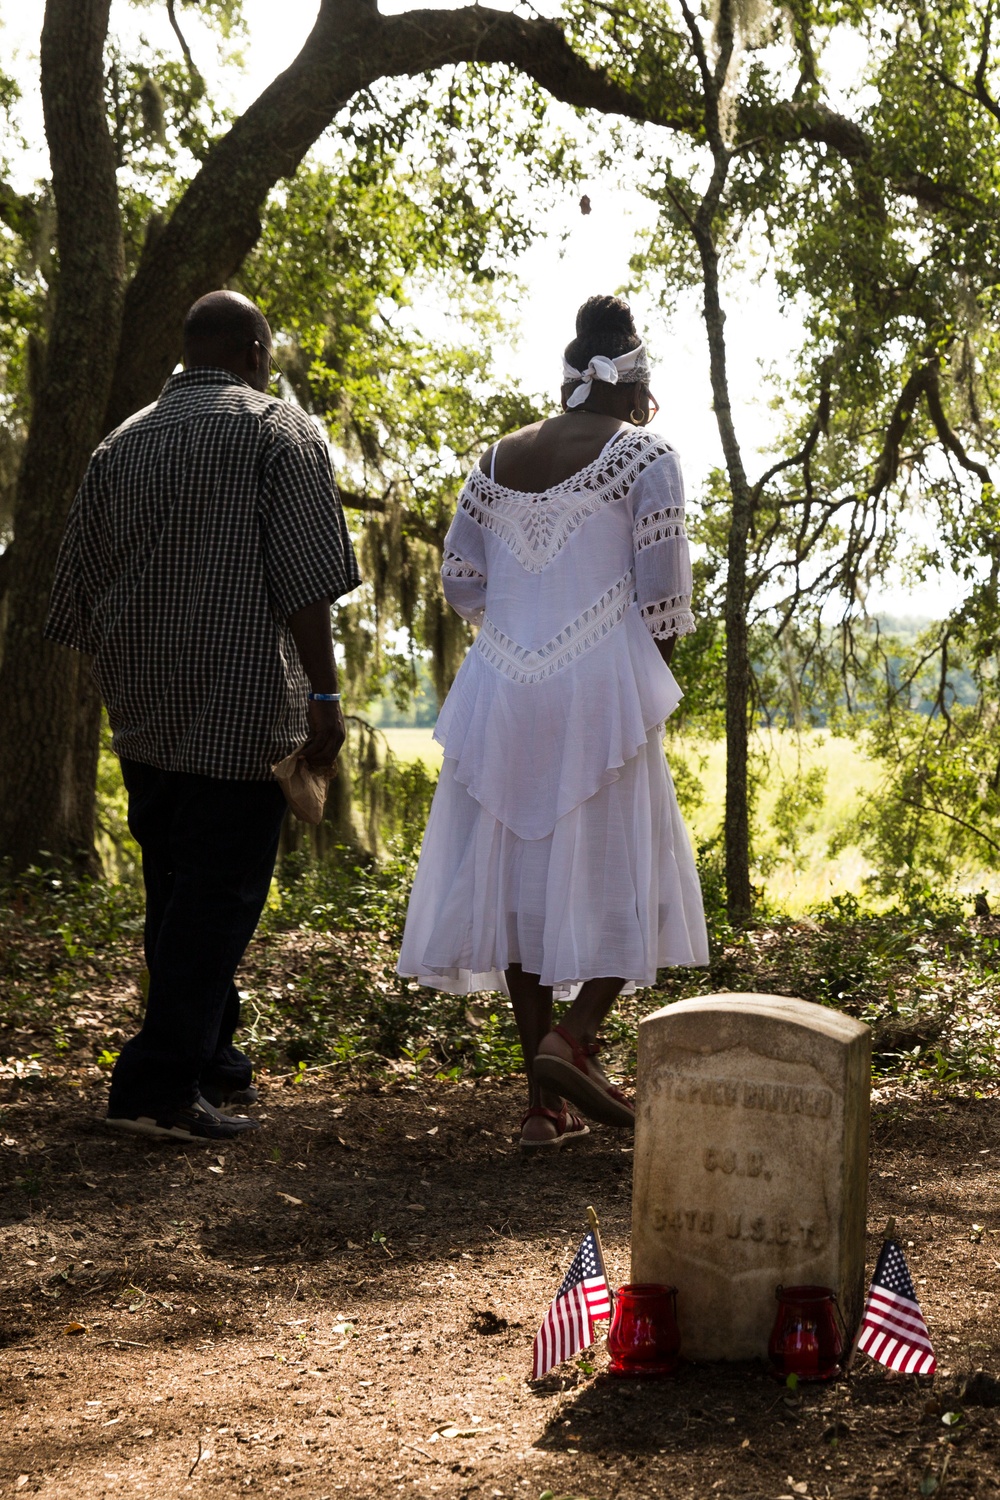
(737, 814)
(714, 72)
(48, 730)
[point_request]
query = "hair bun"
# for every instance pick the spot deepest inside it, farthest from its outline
(603, 326)
(609, 317)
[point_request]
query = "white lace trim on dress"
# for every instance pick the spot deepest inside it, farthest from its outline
(537, 526)
(658, 526)
(669, 617)
(454, 567)
(523, 665)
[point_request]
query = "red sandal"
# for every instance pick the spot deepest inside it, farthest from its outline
(599, 1101)
(569, 1128)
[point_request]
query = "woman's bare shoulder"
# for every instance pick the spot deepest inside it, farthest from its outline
(516, 439)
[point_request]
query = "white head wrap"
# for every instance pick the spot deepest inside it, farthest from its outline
(627, 369)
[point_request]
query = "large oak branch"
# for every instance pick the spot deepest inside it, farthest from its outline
(350, 48)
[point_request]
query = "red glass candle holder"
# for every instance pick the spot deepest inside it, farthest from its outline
(644, 1339)
(806, 1340)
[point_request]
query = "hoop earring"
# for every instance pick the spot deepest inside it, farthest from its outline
(639, 418)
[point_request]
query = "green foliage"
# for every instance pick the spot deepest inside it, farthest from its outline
(118, 851)
(320, 989)
(61, 938)
(800, 797)
(886, 252)
(925, 710)
(366, 1016)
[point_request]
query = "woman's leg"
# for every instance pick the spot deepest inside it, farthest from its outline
(582, 1021)
(562, 1061)
(532, 1006)
(591, 1005)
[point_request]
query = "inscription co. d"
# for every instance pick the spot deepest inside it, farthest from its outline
(731, 1093)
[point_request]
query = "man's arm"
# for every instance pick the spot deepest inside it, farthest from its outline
(80, 570)
(313, 637)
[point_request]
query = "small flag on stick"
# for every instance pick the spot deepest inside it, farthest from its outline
(583, 1299)
(893, 1330)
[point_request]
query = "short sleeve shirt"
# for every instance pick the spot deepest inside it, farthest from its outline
(202, 524)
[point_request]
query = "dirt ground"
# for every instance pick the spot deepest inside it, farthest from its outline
(346, 1303)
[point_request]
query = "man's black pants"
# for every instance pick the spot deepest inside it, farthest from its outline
(208, 851)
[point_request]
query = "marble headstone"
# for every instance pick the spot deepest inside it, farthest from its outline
(751, 1162)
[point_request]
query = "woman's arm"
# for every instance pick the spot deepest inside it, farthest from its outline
(662, 557)
(463, 572)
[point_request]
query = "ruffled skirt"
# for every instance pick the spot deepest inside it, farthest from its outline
(611, 891)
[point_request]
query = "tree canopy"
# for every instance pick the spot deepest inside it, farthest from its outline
(851, 151)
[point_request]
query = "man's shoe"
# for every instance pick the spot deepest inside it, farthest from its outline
(190, 1122)
(227, 1099)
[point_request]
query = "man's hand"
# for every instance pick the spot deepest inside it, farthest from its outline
(329, 732)
(310, 627)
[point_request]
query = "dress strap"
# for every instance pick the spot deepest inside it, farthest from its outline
(493, 461)
(612, 439)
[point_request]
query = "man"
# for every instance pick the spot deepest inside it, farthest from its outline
(200, 560)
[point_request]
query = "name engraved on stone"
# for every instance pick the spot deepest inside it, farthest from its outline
(758, 1229)
(728, 1093)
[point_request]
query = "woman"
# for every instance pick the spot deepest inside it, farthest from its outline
(555, 855)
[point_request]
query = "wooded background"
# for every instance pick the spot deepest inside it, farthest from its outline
(874, 201)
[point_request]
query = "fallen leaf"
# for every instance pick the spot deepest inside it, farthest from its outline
(289, 1199)
(74, 1328)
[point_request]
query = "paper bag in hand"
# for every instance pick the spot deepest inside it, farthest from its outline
(305, 789)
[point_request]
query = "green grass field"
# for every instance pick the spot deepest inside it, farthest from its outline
(795, 883)
(812, 876)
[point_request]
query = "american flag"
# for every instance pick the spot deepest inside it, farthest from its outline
(582, 1300)
(893, 1330)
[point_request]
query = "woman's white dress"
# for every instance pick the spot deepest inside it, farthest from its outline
(554, 838)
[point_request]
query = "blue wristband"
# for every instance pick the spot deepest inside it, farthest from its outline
(324, 697)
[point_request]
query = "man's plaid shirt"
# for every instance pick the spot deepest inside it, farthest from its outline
(202, 524)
